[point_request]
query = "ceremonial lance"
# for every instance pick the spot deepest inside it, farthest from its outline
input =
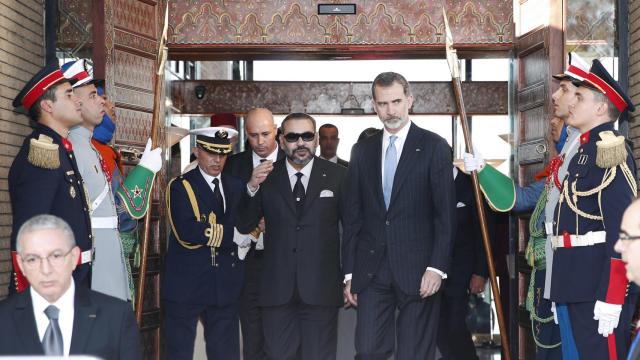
(157, 98)
(454, 68)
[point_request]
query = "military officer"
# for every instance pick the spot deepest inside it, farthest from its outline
(44, 176)
(109, 275)
(589, 284)
(541, 198)
(203, 275)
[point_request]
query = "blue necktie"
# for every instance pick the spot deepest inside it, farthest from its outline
(390, 164)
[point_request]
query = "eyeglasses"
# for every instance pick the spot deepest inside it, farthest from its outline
(55, 259)
(626, 237)
(293, 137)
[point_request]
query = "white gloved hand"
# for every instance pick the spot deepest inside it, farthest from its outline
(472, 162)
(151, 159)
(553, 310)
(242, 240)
(608, 316)
(260, 242)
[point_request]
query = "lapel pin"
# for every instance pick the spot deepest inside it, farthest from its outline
(418, 149)
(323, 174)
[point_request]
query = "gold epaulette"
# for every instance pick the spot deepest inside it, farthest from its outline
(611, 150)
(43, 153)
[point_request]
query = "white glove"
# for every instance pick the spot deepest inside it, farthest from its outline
(151, 159)
(472, 162)
(553, 310)
(260, 242)
(608, 316)
(242, 240)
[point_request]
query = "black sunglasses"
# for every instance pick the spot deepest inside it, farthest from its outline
(293, 137)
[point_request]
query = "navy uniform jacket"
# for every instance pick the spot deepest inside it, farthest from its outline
(582, 274)
(189, 275)
(37, 190)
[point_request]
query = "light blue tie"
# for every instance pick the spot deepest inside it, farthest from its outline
(390, 164)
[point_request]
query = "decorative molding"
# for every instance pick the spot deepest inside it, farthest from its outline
(330, 97)
(270, 23)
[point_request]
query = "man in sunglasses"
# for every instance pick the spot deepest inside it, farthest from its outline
(398, 229)
(300, 286)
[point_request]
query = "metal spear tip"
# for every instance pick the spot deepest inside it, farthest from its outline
(452, 56)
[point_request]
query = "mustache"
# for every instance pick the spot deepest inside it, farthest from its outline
(302, 147)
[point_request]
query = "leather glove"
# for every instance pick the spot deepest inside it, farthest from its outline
(472, 162)
(151, 159)
(608, 316)
(553, 310)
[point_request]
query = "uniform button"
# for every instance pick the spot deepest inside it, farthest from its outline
(216, 265)
(372, 251)
(297, 228)
(85, 209)
(232, 253)
(387, 222)
(90, 236)
(233, 264)
(580, 150)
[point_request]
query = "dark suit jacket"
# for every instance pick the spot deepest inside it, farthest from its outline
(302, 252)
(417, 231)
(189, 276)
(468, 251)
(103, 326)
(342, 162)
(240, 165)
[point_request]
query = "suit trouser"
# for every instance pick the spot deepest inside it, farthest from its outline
(300, 331)
(220, 330)
(250, 311)
(589, 343)
(454, 339)
(416, 324)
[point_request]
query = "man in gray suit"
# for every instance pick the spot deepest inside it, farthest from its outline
(398, 229)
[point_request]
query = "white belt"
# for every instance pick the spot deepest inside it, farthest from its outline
(588, 239)
(548, 227)
(104, 222)
(100, 198)
(85, 257)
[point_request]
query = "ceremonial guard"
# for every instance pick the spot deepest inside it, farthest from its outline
(589, 284)
(203, 275)
(541, 198)
(109, 274)
(44, 176)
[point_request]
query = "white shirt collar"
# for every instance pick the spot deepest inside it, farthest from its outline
(65, 305)
(208, 178)
(256, 158)
(306, 170)
(401, 134)
(455, 172)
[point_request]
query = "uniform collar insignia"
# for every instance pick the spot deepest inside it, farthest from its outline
(584, 138)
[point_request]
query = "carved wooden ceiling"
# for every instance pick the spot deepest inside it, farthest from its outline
(235, 29)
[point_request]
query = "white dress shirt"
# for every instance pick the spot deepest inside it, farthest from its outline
(209, 179)
(306, 172)
(65, 316)
(256, 158)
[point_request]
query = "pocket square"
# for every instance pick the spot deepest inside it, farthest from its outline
(461, 204)
(326, 193)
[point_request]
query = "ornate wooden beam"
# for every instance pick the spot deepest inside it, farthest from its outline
(283, 97)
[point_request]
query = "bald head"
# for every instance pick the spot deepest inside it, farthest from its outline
(261, 131)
